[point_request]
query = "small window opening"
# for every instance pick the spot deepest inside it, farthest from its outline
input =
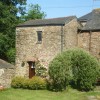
(39, 35)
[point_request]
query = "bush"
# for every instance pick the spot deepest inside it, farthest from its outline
(37, 83)
(59, 72)
(17, 82)
(25, 83)
(85, 69)
(76, 65)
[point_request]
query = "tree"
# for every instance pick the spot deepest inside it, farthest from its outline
(15, 6)
(8, 22)
(34, 12)
(9, 19)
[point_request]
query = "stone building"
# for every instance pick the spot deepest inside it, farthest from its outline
(43, 40)
(7, 72)
(89, 34)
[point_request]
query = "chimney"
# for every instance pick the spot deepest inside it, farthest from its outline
(97, 11)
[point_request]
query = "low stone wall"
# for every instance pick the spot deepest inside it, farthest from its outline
(6, 75)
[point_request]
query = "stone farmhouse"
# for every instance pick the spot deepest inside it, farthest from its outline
(43, 39)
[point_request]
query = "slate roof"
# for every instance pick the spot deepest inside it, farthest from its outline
(93, 21)
(44, 22)
(4, 64)
(85, 17)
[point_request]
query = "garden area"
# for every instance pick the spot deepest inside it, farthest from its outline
(72, 75)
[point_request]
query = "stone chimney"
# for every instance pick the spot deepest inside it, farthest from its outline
(97, 11)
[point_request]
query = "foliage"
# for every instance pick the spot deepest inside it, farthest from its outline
(25, 83)
(8, 21)
(85, 69)
(34, 12)
(3, 45)
(40, 70)
(11, 55)
(17, 82)
(15, 6)
(7, 24)
(76, 65)
(37, 83)
(59, 72)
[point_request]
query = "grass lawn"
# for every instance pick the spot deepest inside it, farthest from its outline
(70, 94)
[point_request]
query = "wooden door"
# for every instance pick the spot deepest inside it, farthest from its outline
(31, 69)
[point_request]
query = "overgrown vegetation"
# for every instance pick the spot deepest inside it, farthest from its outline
(75, 65)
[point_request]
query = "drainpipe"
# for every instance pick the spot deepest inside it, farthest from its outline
(90, 41)
(62, 38)
(78, 32)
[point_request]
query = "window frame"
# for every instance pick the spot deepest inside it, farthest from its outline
(39, 36)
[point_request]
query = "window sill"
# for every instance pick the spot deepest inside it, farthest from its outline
(39, 42)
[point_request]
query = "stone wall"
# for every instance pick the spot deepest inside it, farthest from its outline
(27, 46)
(6, 75)
(70, 31)
(53, 38)
(90, 41)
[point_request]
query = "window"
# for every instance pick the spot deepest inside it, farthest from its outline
(39, 36)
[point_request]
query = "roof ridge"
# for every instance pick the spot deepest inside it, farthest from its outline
(53, 18)
(50, 21)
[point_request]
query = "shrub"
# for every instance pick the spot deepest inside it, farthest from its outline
(59, 72)
(17, 82)
(25, 83)
(76, 65)
(37, 83)
(85, 69)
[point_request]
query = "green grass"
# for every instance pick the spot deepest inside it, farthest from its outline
(20, 94)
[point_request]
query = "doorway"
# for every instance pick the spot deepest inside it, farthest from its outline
(31, 69)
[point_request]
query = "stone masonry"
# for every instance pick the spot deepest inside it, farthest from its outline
(90, 41)
(7, 72)
(55, 39)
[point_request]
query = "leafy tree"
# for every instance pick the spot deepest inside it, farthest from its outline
(9, 19)
(15, 6)
(34, 12)
(8, 22)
